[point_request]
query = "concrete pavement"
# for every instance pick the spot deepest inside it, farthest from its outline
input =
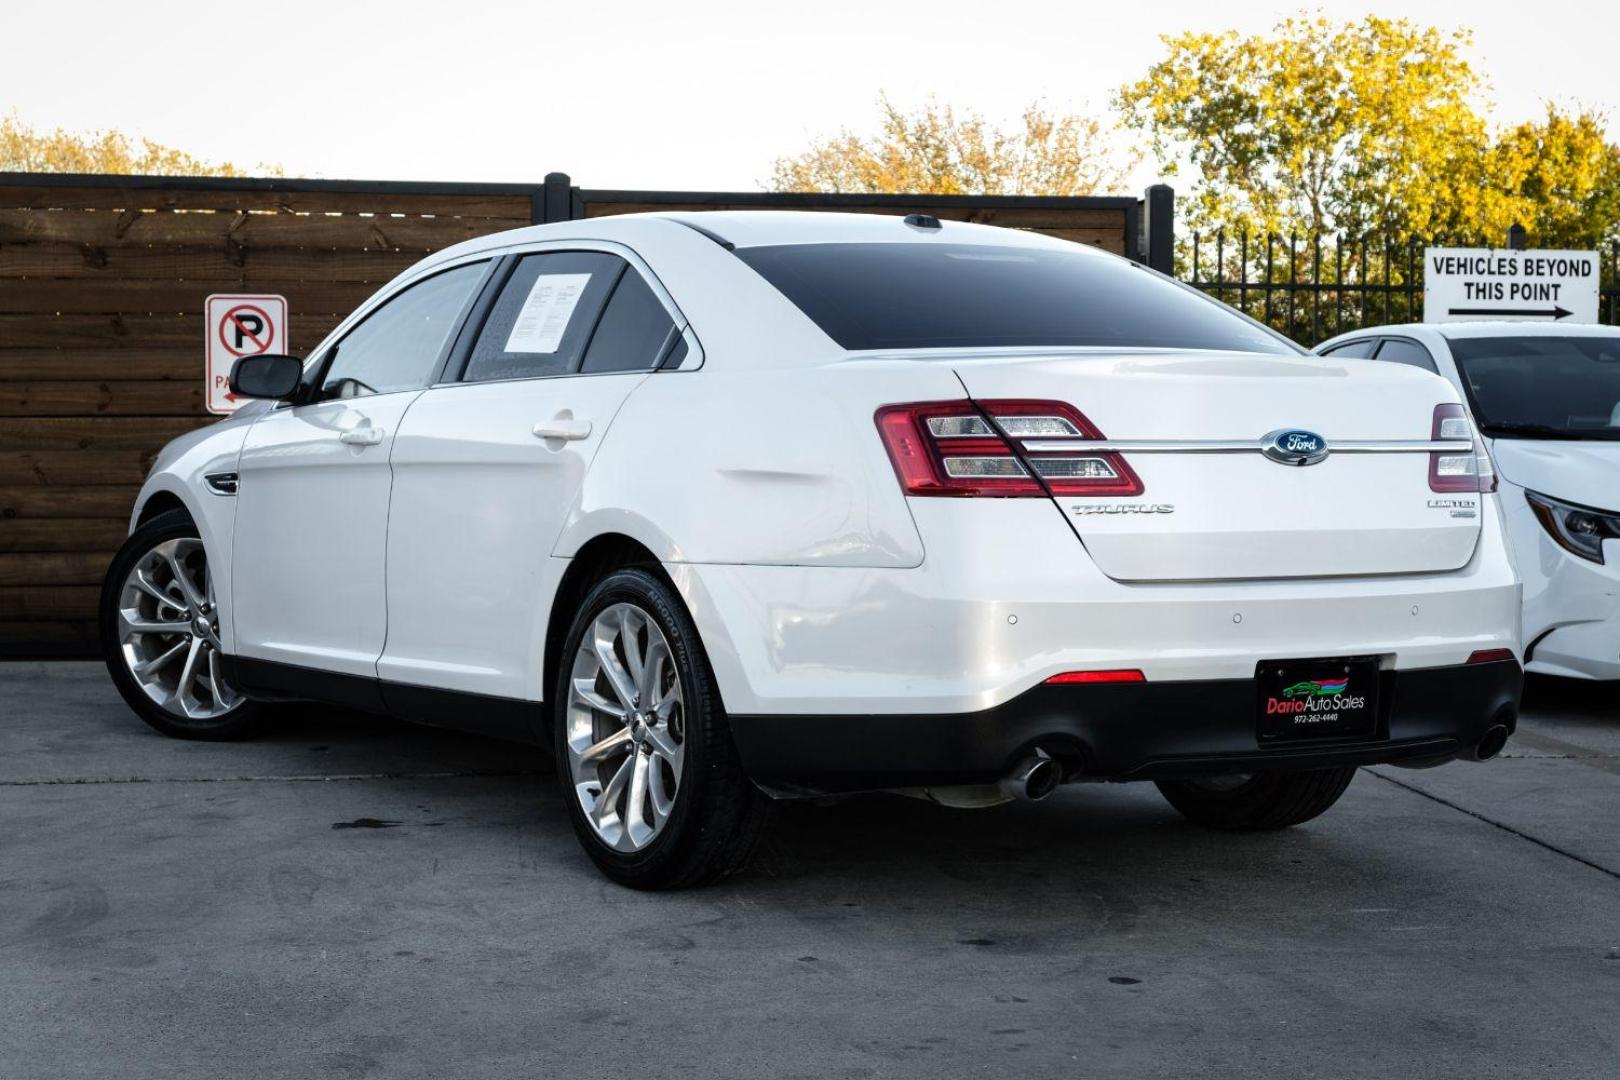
(353, 898)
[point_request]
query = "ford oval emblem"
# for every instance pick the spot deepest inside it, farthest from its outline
(1292, 446)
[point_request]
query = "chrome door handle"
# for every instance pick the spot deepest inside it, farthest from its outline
(569, 430)
(366, 436)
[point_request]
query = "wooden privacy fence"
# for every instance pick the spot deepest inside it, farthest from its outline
(102, 282)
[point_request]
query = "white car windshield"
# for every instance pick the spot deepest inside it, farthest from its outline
(1542, 387)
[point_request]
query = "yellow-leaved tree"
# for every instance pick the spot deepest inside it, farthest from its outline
(938, 149)
(1320, 126)
(27, 149)
(1366, 128)
(1562, 178)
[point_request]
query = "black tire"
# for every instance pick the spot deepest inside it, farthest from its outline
(1264, 801)
(718, 815)
(241, 720)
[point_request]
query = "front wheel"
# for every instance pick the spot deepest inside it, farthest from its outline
(645, 758)
(1254, 802)
(160, 635)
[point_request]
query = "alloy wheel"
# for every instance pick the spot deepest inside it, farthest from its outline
(168, 631)
(626, 734)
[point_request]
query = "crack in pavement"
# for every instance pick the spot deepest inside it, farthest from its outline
(1521, 834)
(1552, 745)
(294, 779)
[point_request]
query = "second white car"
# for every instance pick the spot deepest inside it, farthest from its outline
(1546, 398)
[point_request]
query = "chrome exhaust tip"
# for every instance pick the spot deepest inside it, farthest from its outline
(1033, 778)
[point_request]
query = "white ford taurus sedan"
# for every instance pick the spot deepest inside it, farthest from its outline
(737, 506)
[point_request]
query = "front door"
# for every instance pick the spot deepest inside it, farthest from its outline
(312, 502)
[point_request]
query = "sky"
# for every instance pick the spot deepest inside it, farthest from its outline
(684, 94)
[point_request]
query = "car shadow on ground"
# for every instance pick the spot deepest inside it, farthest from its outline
(1081, 862)
(1573, 700)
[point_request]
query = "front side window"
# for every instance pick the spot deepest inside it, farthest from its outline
(930, 296)
(542, 322)
(1542, 387)
(398, 346)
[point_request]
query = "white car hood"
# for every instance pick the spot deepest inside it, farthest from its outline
(1587, 473)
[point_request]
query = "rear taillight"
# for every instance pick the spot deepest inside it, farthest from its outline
(1467, 468)
(1011, 449)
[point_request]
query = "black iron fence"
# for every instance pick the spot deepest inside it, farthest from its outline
(1312, 289)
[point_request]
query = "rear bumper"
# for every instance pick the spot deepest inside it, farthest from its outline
(1125, 731)
(1007, 597)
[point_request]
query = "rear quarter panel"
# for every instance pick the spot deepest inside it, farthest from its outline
(760, 467)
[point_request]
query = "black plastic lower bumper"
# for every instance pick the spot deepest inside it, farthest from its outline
(1121, 731)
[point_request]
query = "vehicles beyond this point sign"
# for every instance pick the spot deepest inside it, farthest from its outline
(238, 326)
(1462, 284)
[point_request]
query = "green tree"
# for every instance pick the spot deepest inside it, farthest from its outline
(940, 150)
(1365, 127)
(1561, 177)
(27, 149)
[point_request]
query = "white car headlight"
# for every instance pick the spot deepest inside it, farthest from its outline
(1579, 530)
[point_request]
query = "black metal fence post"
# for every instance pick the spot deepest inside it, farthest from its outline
(1515, 237)
(1159, 228)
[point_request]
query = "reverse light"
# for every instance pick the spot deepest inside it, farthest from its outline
(1579, 530)
(1468, 468)
(1121, 675)
(967, 448)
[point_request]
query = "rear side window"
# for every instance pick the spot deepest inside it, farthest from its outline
(542, 322)
(1406, 351)
(634, 331)
(929, 296)
(1353, 350)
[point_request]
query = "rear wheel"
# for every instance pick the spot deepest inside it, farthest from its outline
(644, 753)
(160, 635)
(1253, 802)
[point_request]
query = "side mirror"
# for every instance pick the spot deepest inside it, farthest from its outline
(267, 375)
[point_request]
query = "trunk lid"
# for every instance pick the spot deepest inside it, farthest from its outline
(1212, 506)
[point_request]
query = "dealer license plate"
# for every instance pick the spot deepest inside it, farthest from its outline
(1313, 699)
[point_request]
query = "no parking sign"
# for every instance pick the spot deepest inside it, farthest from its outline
(239, 325)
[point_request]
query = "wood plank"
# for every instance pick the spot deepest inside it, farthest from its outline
(47, 603)
(73, 468)
(112, 228)
(98, 501)
(1041, 220)
(245, 269)
(29, 365)
(56, 568)
(15, 637)
(95, 433)
(76, 331)
(140, 296)
(1107, 239)
(72, 534)
(108, 398)
(514, 207)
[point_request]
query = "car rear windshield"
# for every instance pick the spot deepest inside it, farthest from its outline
(933, 296)
(1542, 387)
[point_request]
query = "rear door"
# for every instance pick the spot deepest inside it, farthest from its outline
(488, 466)
(1211, 504)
